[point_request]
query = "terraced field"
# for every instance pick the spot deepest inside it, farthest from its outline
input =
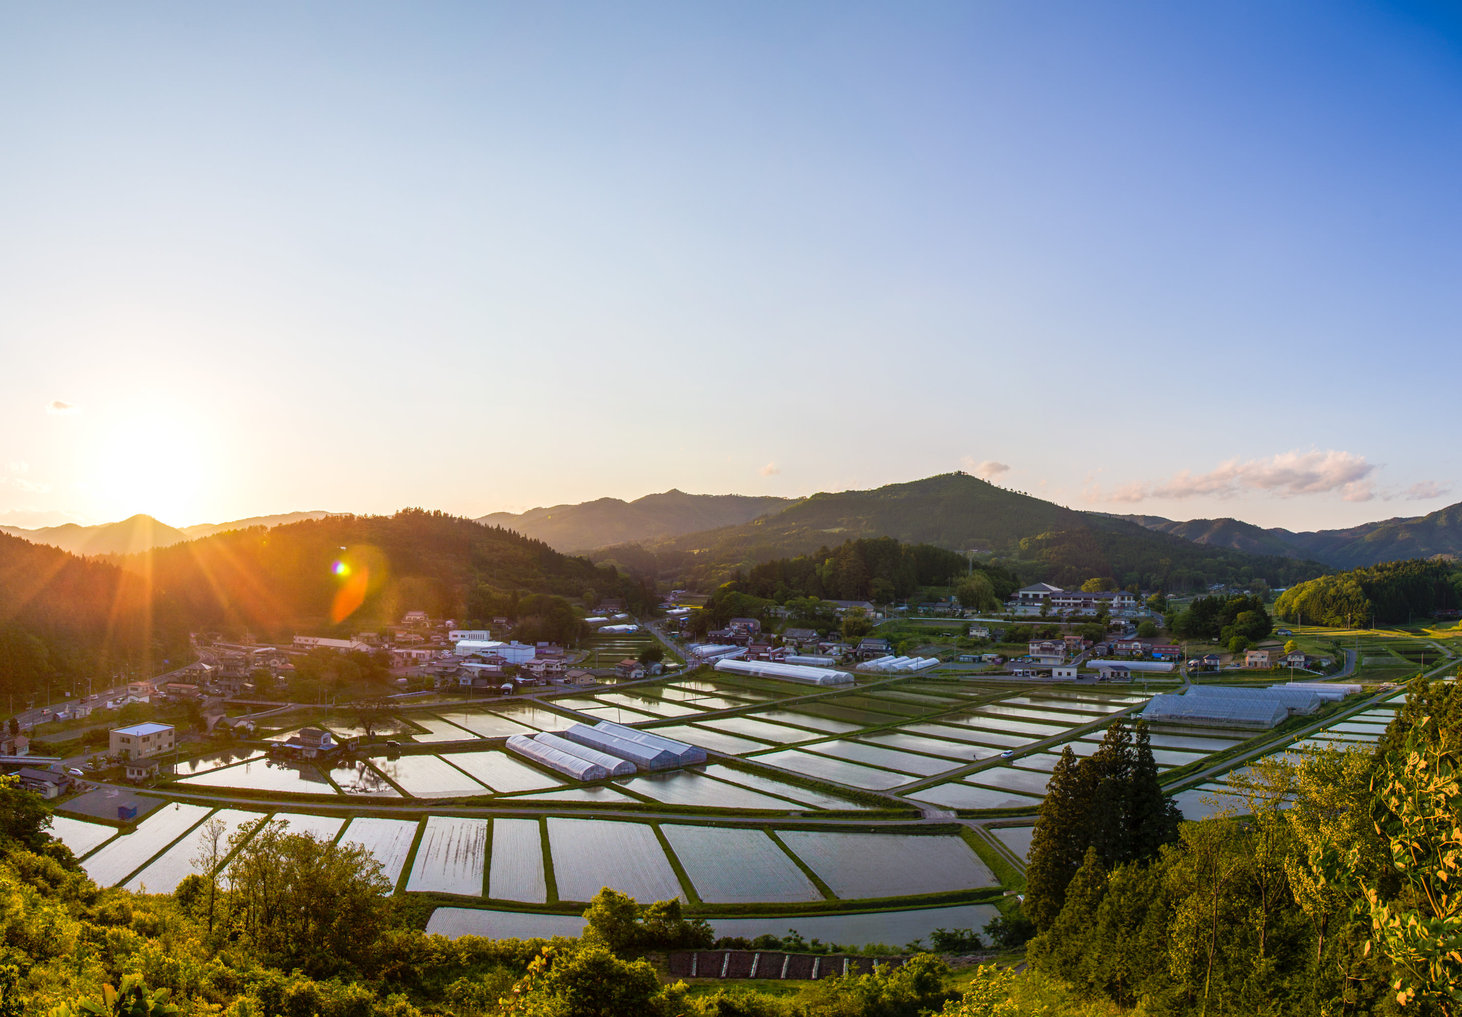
(810, 798)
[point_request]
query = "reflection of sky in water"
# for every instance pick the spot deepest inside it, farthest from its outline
(428, 776)
(266, 775)
(360, 779)
(215, 760)
(689, 788)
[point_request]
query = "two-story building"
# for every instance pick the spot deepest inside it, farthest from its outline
(141, 741)
(1047, 651)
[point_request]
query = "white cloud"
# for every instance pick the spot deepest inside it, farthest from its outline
(1284, 475)
(987, 470)
(770, 470)
(57, 406)
(1425, 490)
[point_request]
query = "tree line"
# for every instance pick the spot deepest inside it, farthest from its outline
(65, 619)
(1386, 594)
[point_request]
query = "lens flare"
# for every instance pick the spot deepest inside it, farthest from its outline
(360, 571)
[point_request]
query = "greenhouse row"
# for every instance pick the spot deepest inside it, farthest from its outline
(606, 750)
(1214, 711)
(898, 665)
(1296, 701)
(785, 672)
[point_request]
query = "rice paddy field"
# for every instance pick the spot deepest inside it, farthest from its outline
(451, 857)
(810, 800)
(591, 854)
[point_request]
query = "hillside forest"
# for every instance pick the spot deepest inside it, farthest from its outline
(65, 619)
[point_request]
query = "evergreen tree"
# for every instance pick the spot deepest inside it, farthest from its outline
(1152, 817)
(1110, 801)
(1058, 841)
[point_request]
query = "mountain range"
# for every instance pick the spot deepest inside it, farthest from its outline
(140, 533)
(1438, 533)
(591, 524)
(706, 535)
(954, 511)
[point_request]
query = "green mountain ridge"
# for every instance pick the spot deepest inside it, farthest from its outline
(1438, 533)
(604, 521)
(961, 513)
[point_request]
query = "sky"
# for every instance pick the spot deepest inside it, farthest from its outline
(1189, 260)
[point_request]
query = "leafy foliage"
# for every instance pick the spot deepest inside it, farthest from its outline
(1385, 594)
(1222, 618)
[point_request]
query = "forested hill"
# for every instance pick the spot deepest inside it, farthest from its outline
(1230, 533)
(575, 528)
(362, 571)
(1438, 533)
(960, 513)
(1390, 593)
(63, 618)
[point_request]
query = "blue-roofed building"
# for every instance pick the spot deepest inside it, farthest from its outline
(141, 741)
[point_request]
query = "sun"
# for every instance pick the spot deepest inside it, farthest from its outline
(151, 462)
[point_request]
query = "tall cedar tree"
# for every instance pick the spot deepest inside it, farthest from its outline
(1110, 801)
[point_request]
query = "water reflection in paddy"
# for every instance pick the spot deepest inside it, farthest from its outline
(428, 777)
(934, 746)
(957, 795)
(502, 772)
(709, 738)
(686, 787)
(266, 775)
(770, 785)
(809, 720)
(836, 770)
(881, 756)
(361, 779)
(215, 760)
(486, 725)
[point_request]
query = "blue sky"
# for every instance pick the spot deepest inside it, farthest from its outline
(1183, 259)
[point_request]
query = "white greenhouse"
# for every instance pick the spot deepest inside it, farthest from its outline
(614, 765)
(685, 753)
(646, 757)
(566, 763)
(1214, 711)
(1327, 691)
(1296, 701)
(785, 672)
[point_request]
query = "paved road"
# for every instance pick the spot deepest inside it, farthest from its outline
(35, 715)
